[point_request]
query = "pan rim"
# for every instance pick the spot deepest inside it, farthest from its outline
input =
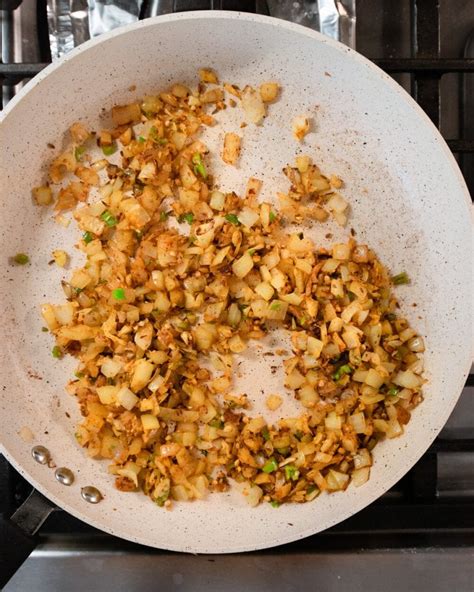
(377, 491)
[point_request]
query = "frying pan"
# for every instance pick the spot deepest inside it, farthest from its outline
(409, 202)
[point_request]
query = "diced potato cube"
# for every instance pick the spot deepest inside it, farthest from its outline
(273, 402)
(43, 195)
(231, 150)
(207, 75)
(123, 114)
(269, 91)
(60, 257)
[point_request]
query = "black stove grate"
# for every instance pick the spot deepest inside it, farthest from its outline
(412, 513)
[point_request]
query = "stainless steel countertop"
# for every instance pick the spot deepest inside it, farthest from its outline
(83, 569)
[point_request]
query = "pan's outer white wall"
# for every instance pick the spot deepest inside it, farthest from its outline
(409, 203)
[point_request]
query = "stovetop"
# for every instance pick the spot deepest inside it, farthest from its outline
(420, 534)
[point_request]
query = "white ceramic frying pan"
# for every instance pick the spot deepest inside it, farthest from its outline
(409, 202)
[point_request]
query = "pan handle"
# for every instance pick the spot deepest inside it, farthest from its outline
(18, 535)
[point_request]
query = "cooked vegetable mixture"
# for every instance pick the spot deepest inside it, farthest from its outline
(180, 278)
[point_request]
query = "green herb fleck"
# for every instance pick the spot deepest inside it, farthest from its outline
(275, 305)
(232, 218)
(216, 423)
(156, 138)
(344, 369)
(141, 139)
(57, 352)
(118, 294)
(199, 167)
(391, 316)
(252, 251)
(78, 290)
(311, 489)
(79, 153)
(21, 259)
(266, 434)
(351, 295)
(160, 501)
(400, 279)
(298, 435)
(108, 218)
(275, 504)
(164, 216)
(291, 473)
(87, 237)
(188, 217)
(109, 149)
(272, 217)
(78, 374)
(270, 466)
(393, 391)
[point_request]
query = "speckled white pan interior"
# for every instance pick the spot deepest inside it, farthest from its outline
(409, 203)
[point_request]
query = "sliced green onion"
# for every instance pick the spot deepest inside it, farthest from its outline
(57, 352)
(109, 149)
(232, 218)
(266, 434)
(118, 294)
(199, 167)
(272, 217)
(141, 139)
(311, 488)
(108, 218)
(156, 138)
(21, 259)
(188, 217)
(344, 369)
(275, 504)
(393, 391)
(400, 279)
(270, 466)
(160, 501)
(78, 374)
(216, 423)
(291, 473)
(79, 152)
(252, 251)
(87, 237)
(275, 306)
(351, 296)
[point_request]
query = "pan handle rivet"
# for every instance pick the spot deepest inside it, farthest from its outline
(41, 454)
(64, 475)
(91, 494)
